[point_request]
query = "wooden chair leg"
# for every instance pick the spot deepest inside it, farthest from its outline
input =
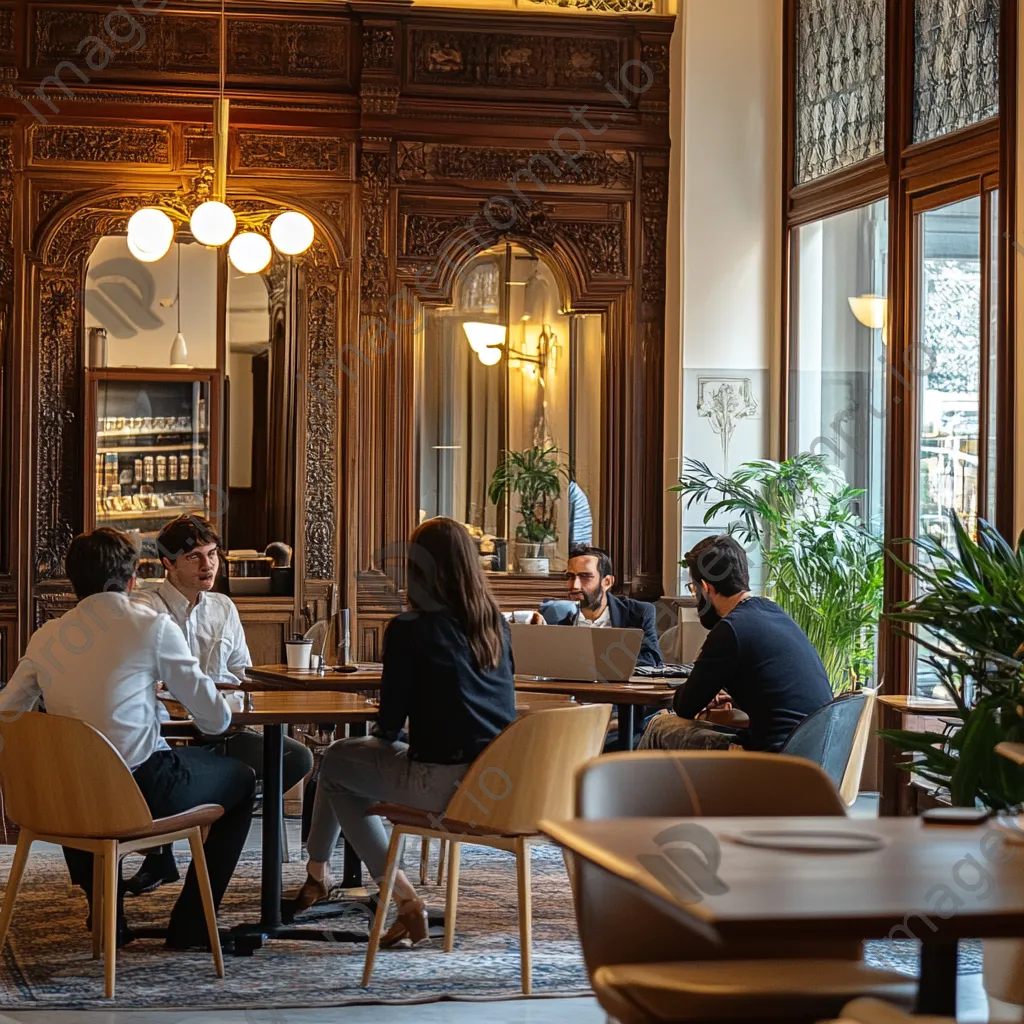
(195, 842)
(110, 862)
(97, 905)
(525, 913)
(286, 854)
(387, 885)
(13, 884)
(424, 859)
(441, 855)
(451, 905)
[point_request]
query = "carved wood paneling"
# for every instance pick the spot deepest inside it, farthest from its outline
(6, 34)
(379, 48)
(94, 144)
(310, 50)
(58, 434)
(603, 246)
(525, 168)
(6, 224)
(504, 60)
(277, 151)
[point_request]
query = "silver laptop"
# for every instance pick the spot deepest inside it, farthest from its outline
(575, 654)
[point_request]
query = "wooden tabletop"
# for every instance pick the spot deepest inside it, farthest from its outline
(302, 708)
(639, 690)
(764, 893)
(917, 705)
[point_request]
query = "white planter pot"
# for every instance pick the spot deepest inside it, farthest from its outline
(533, 566)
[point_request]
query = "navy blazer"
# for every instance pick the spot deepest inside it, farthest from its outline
(625, 613)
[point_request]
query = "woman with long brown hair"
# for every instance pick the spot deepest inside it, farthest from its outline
(448, 673)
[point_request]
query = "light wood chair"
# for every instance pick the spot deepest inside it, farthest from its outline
(67, 784)
(849, 789)
(525, 775)
(526, 704)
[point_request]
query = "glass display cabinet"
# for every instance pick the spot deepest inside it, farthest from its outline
(154, 440)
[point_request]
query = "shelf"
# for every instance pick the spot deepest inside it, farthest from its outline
(143, 449)
(127, 434)
(168, 511)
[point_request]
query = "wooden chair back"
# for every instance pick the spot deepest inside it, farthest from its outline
(62, 777)
(850, 786)
(527, 773)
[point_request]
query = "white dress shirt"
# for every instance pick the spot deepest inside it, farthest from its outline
(212, 629)
(100, 663)
(603, 621)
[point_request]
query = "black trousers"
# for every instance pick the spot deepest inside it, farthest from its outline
(173, 781)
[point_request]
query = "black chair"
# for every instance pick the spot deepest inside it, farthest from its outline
(826, 737)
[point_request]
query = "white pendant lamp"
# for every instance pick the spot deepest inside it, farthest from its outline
(179, 350)
(291, 232)
(150, 233)
(213, 223)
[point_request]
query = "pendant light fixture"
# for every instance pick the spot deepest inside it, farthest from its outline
(212, 222)
(179, 351)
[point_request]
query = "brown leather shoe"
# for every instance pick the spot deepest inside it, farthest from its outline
(311, 891)
(410, 928)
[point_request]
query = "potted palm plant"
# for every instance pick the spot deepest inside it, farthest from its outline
(969, 621)
(535, 475)
(821, 564)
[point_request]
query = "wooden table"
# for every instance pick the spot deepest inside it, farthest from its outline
(918, 885)
(639, 691)
(908, 705)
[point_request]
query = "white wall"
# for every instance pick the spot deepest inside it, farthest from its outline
(724, 287)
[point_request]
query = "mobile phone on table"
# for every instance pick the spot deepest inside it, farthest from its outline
(955, 815)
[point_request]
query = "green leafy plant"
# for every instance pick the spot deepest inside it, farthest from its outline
(821, 563)
(535, 474)
(969, 619)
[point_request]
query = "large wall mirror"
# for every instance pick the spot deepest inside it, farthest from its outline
(190, 393)
(508, 373)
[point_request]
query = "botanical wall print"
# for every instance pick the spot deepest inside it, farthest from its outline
(724, 401)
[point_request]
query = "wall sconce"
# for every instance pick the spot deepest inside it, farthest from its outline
(485, 340)
(873, 312)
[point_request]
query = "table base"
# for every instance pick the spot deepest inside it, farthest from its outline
(936, 992)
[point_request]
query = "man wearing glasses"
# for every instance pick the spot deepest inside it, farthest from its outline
(590, 577)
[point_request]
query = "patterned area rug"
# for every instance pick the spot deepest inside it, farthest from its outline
(47, 961)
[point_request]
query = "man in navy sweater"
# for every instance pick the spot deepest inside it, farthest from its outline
(754, 652)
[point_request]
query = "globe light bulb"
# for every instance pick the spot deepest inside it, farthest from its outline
(482, 336)
(489, 356)
(151, 231)
(146, 255)
(249, 252)
(291, 233)
(212, 223)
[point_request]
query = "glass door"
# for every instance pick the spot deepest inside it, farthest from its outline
(953, 360)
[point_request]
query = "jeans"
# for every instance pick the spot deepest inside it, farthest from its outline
(670, 732)
(172, 781)
(357, 773)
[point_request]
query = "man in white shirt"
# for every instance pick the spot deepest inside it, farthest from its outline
(188, 548)
(100, 663)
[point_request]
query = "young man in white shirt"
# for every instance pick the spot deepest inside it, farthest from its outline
(189, 549)
(100, 663)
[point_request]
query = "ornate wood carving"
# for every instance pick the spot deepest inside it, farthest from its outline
(427, 161)
(289, 49)
(603, 245)
(95, 144)
(170, 43)
(322, 395)
(6, 34)
(278, 151)
(379, 99)
(604, 6)
(378, 48)
(654, 214)
(375, 179)
(513, 61)
(6, 224)
(48, 200)
(58, 422)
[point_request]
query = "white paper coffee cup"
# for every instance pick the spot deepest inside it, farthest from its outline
(298, 653)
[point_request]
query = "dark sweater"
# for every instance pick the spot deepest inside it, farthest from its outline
(431, 677)
(766, 664)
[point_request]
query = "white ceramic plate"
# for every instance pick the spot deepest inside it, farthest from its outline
(813, 841)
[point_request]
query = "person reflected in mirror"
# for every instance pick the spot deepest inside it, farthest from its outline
(447, 672)
(755, 659)
(189, 548)
(581, 522)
